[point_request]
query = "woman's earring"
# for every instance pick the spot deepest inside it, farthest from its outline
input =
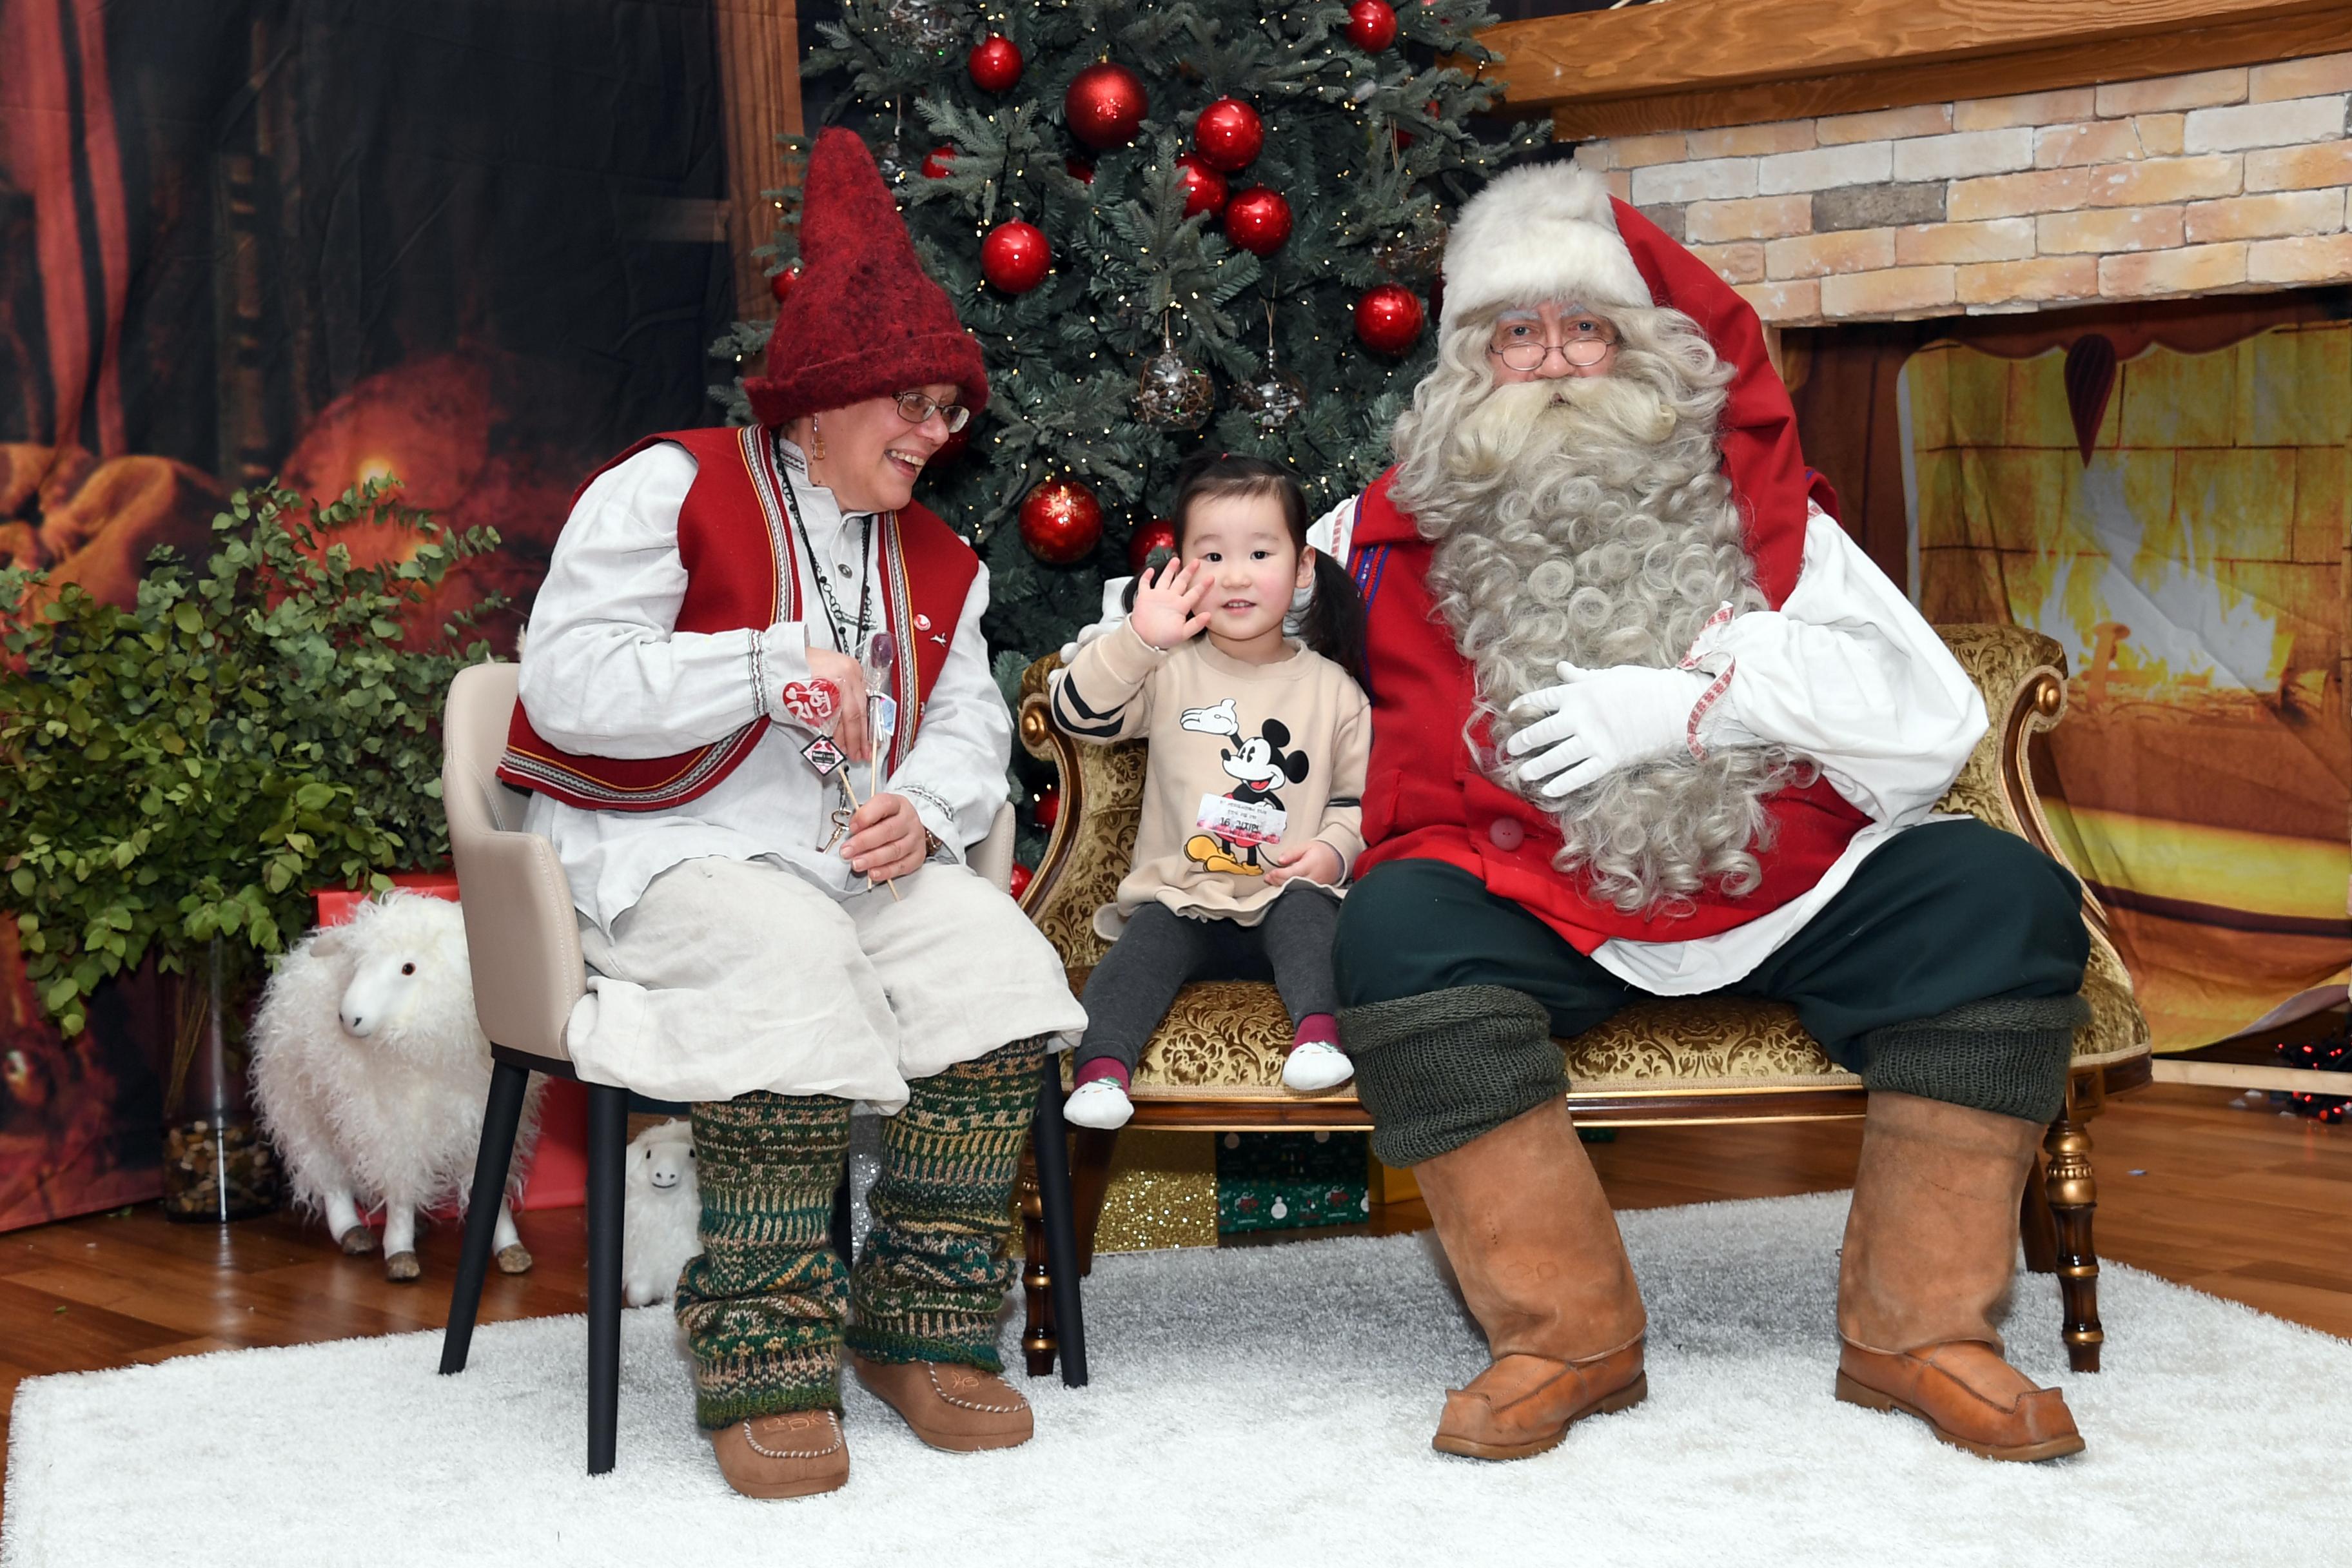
(816, 440)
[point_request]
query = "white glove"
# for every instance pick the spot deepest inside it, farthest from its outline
(1602, 721)
(1114, 616)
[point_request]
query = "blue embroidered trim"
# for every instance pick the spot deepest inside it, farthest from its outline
(1368, 566)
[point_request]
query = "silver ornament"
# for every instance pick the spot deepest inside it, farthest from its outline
(1171, 392)
(1272, 398)
(926, 24)
(890, 163)
(1411, 255)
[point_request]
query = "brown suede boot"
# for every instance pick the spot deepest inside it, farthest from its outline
(1930, 1245)
(1535, 1249)
(960, 1408)
(796, 1454)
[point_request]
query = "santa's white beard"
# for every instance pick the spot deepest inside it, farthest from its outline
(1588, 520)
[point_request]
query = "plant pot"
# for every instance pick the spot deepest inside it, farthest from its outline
(216, 1165)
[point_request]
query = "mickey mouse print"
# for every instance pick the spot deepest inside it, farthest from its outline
(1235, 823)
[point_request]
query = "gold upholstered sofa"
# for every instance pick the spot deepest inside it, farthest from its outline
(1215, 1065)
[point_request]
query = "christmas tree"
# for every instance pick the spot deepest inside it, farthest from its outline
(1170, 227)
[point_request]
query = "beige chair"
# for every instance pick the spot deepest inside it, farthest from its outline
(524, 944)
(1215, 1064)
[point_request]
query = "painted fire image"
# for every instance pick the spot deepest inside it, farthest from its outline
(2177, 523)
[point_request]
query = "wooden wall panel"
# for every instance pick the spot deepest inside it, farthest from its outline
(759, 62)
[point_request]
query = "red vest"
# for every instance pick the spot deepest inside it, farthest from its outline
(1424, 799)
(735, 537)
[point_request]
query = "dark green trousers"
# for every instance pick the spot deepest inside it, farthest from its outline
(1946, 914)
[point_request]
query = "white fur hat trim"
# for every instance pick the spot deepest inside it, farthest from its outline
(1542, 232)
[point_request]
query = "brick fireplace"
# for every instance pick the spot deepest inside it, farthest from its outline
(2211, 181)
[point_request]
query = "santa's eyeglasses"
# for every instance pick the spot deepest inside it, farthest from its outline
(1520, 346)
(914, 407)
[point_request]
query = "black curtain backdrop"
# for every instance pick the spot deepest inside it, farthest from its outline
(477, 244)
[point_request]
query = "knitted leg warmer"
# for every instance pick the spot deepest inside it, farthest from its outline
(761, 1307)
(1438, 1070)
(2008, 1055)
(932, 1276)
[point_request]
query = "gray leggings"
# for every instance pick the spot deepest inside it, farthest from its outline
(1161, 951)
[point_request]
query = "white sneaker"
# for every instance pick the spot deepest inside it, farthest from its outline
(1316, 1064)
(1099, 1103)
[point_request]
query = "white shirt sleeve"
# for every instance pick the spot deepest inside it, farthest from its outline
(1848, 673)
(1332, 533)
(955, 772)
(604, 672)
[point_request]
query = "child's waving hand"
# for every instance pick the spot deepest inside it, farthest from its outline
(1168, 604)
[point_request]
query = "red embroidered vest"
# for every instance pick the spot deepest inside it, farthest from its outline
(1425, 799)
(735, 537)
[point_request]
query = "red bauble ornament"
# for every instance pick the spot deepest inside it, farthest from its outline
(1021, 879)
(1079, 170)
(957, 443)
(1015, 257)
(783, 283)
(1061, 523)
(1204, 188)
(1372, 26)
(1259, 220)
(1048, 810)
(1229, 134)
(996, 64)
(1388, 318)
(1105, 105)
(935, 165)
(1157, 534)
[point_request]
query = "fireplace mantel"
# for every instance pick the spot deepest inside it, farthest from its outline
(1687, 65)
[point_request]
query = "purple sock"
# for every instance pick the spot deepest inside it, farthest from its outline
(1111, 1068)
(1316, 1029)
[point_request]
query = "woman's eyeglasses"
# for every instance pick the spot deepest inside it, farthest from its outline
(914, 407)
(1520, 344)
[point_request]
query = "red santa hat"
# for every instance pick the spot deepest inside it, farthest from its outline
(1551, 231)
(865, 320)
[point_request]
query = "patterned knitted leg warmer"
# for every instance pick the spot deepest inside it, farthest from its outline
(932, 1276)
(761, 1307)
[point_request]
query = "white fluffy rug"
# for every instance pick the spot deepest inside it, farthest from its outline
(1255, 1405)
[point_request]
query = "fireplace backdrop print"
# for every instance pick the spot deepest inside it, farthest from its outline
(2178, 524)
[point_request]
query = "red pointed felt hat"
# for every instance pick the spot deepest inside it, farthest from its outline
(865, 320)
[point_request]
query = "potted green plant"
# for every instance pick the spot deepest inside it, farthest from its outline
(181, 774)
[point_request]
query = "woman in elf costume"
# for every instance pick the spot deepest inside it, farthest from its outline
(759, 725)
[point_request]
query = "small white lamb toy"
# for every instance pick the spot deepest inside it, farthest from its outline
(661, 1213)
(371, 1073)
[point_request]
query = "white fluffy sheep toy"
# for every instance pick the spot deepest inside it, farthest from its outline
(661, 1213)
(371, 1073)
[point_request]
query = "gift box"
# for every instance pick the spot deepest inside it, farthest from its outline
(1287, 1181)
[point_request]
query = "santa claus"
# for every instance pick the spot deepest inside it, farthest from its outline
(1647, 723)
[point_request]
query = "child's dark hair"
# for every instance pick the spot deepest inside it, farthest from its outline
(1334, 625)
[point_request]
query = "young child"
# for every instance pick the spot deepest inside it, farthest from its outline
(1252, 805)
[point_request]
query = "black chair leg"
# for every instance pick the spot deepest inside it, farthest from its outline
(608, 1150)
(840, 1232)
(500, 1117)
(1050, 1140)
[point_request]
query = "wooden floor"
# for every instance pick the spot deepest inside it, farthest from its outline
(2248, 1204)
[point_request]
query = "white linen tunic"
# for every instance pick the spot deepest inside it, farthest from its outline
(604, 673)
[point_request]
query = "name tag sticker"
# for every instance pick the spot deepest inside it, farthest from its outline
(1243, 822)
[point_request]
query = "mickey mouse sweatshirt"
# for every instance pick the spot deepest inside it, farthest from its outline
(1244, 758)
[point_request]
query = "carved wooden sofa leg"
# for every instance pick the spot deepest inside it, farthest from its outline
(2072, 1193)
(1038, 1343)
